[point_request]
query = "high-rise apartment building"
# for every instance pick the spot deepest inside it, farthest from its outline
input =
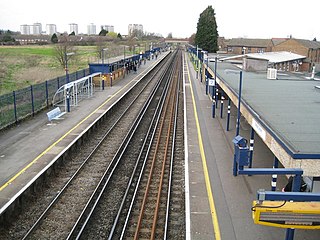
(36, 28)
(108, 28)
(91, 29)
(25, 29)
(73, 28)
(51, 29)
(135, 29)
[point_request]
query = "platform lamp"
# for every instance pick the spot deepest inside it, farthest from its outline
(66, 55)
(238, 114)
(102, 53)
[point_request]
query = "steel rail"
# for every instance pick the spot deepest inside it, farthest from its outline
(57, 197)
(111, 168)
(172, 154)
(171, 122)
(154, 159)
(143, 156)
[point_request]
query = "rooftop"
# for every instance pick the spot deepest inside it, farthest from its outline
(276, 57)
(288, 107)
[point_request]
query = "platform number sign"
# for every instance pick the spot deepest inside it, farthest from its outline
(211, 82)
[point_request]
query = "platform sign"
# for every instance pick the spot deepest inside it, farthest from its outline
(258, 128)
(211, 82)
(301, 215)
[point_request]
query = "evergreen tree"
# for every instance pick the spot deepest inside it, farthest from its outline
(72, 34)
(207, 33)
(103, 32)
(54, 38)
(119, 36)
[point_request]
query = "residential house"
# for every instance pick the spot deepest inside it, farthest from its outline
(248, 45)
(310, 49)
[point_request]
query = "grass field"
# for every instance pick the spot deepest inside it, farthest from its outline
(21, 66)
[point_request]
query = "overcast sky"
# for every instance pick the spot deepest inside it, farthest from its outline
(245, 18)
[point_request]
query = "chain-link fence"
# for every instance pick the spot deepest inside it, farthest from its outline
(27, 101)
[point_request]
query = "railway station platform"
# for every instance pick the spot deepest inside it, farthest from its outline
(31, 146)
(220, 204)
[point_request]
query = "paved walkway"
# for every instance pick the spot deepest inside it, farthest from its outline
(220, 204)
(25, 142)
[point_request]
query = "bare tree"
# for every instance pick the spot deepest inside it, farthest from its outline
(101, 47)
(63, 50)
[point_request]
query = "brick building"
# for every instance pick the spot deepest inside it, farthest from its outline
(310, 49)
(248, 45)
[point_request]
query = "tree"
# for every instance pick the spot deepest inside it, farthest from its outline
(103, 32)
(112, 35)
(169, 35)
(192, 39)
(119, 36)
(54, 38)
(207, 33)
(72, 34)
(63, 49)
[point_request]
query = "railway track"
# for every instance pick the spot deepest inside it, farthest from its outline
(100, 177)
(153, 201)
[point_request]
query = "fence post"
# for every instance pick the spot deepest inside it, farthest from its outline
(15, 106)
(47, 93)
(32, 100)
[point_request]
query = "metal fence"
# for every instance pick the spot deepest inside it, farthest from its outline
(26, 102)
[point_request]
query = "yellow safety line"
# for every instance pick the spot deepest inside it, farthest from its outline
(66, 134)
(214, 216)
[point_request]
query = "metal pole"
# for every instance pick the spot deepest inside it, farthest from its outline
(15, 106)
(274, 176)
(32, 100)
(102, 56)
(289, 234)
(217, 95)
(67, 74)
(221, 106)
(229, 112)
(213, 108)
(251, 147)
(207, 84)
(215, 89)
(197, 63)
(68, 101)
(47, 94)
(239, 104)
(296, 183)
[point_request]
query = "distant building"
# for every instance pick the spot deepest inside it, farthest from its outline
(135, 29)
(108, 28)
(248, 45)
(37, 28)
(91, 29)
(51, 29)
(25, 29)
(73, 28)
(310, 49)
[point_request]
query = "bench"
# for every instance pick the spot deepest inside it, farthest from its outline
(55, 114)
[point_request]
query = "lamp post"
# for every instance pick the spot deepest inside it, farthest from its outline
(66, 64)
(235, 165)
(102, 54)
(67, 78)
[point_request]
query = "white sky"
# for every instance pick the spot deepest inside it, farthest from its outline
(245, 18)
